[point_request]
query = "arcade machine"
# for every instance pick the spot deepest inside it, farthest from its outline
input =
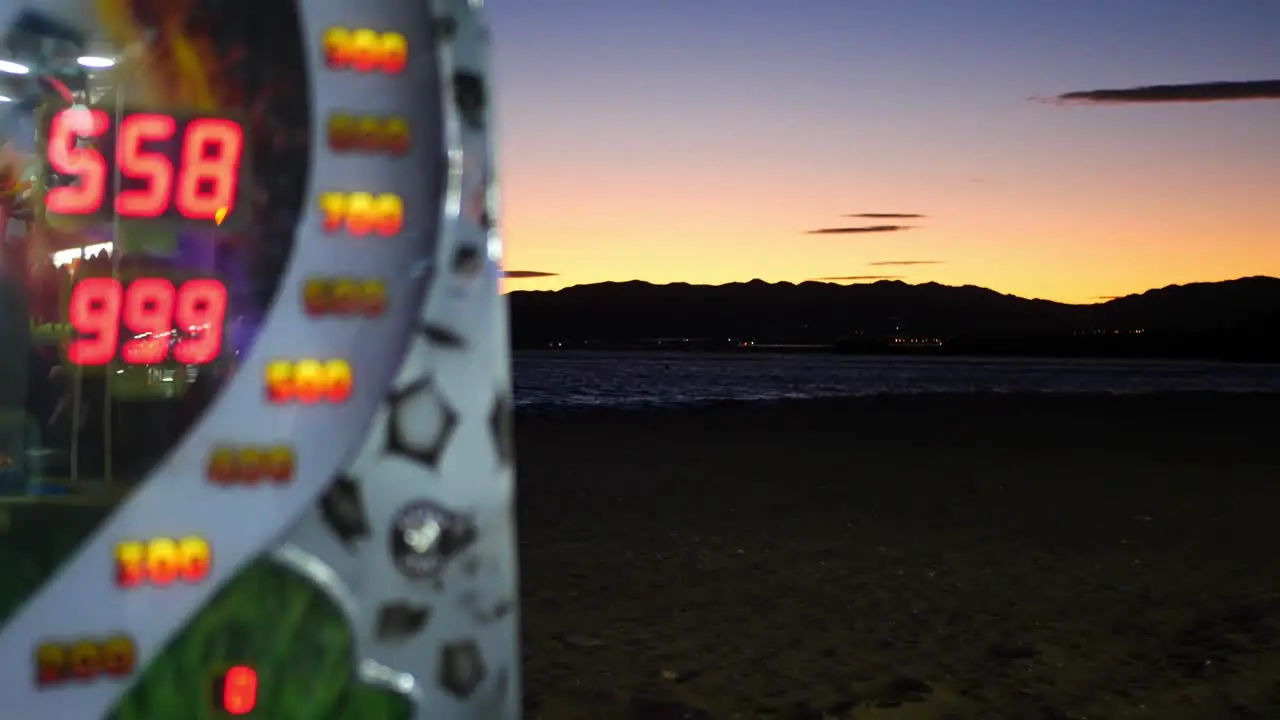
(258, 260)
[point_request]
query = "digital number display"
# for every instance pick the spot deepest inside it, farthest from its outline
(308, 381)
(185, 169)
(370, 134)
(362, 213)
(338, 296)
(160, 562)
(365, 51)
(235, 692)
(162, 321)
(251, 465)
(83, 660)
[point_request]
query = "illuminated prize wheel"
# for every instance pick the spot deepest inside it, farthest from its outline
(255, 415)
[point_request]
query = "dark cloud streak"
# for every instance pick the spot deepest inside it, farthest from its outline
(852, 278)
(861, 230)
(903, 263)
(886, 216)
(522, 274)
(1192, 92)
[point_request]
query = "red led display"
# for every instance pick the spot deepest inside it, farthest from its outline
(169, 167)
(153, 313)
(236, 690)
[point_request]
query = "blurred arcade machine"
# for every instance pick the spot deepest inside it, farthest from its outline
(65, 429)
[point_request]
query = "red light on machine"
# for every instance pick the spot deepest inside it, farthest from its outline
(235, 692)
(179, 167)
(152, 311)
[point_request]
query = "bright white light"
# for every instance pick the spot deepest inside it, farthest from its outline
(5, 98)
(70, 255)
(95, 61)
(13, 68)
(66, 257)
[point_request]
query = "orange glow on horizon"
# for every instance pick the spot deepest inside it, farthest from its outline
(1104, 224)
(673, 143)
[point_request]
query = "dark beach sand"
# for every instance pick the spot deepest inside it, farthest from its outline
(908, 558)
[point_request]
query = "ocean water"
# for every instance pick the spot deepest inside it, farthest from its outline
(583, 380)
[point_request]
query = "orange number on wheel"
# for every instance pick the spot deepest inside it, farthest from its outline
(279, 463)
(395, 136)
(315, 296)
(373, 297)
(365, 53)
(162, 561)
(362, 209)
(250, 460)
(51, 663)
(337, 47)
(279, 381)
(333, 206)
(84, 659)
(365, 50)
(343, 134)
(344, 295)
(309, 381)
(251, 464)
(368, 134)
(131, 564)
(119, 656)
(362, 213)
(340, 379)
(222, 466)
(323, 296)
(388, 215)
(195, 559)
(395, 52)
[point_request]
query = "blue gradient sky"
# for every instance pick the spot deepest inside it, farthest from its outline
(698, 140)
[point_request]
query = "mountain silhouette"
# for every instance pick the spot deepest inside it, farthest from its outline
(1234, 319)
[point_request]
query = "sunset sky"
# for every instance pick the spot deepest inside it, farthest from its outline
(702, 140)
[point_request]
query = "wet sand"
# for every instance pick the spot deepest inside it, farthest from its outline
(908, 558)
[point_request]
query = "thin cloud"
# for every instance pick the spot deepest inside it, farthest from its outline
(1188, 93)
(886, 216)
(887, 263)
(860, 278)
(861, 230)
(1105, 298)
(521, 274)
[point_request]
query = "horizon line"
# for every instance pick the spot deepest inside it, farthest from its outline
(1099, 300)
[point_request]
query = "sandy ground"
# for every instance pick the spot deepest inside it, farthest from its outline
(909, 558)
